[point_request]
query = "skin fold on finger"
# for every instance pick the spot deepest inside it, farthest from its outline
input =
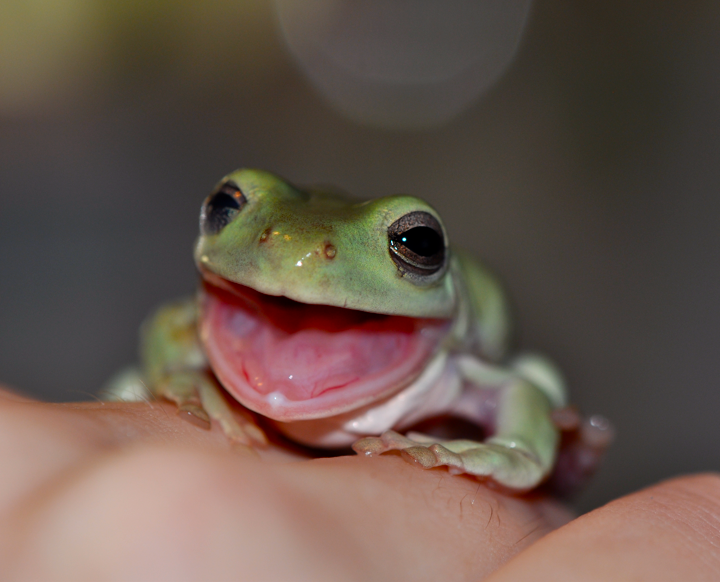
(670, 531)
(158, 511)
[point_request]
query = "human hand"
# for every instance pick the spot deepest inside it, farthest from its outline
(131, 492)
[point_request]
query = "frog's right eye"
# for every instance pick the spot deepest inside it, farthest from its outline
(221, 207)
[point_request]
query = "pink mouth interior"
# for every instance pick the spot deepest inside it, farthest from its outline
(290, 360)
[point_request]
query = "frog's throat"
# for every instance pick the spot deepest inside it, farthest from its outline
(292, 361)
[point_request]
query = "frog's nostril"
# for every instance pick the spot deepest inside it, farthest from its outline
(330, 251)
(265, 235)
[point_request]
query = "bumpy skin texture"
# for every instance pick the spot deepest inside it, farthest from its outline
(321, 248)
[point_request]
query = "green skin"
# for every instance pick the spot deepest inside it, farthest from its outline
(324, 248)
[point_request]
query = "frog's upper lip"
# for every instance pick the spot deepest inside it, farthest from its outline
(294, 361)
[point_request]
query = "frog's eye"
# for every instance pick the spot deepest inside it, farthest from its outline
(417, 244)
(220, 208)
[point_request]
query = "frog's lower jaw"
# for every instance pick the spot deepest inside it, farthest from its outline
(291, 361)
(436, 391)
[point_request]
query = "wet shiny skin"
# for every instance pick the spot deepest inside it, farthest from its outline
(341, 319)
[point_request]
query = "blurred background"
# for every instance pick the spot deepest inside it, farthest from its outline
(575, 146)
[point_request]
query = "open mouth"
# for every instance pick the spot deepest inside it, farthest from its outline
(294, 361)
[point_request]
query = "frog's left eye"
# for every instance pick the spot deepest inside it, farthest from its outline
(417, 245)
(220, 208)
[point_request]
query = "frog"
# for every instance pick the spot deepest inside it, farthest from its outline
(343, 322)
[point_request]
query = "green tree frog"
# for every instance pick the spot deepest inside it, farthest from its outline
(347, 322)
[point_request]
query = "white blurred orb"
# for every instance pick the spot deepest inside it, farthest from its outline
(402, 63)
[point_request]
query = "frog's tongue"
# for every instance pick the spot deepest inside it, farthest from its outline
(292, 361)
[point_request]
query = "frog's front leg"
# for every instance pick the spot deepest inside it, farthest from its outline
(198, 395)
(174, 367)
(522, 450)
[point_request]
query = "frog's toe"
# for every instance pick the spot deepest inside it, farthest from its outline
(369, 446)
(243, 434)
(514, 468)
(433, 456)
(387, 441)
(200, 401)
(241, 431)
(194, 414)
(419, 449)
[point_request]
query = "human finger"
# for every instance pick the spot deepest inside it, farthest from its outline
(159, 511)
(670, 531)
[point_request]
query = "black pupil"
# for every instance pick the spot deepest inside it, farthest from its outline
(222, 202)
(422, 240)
(220, 209)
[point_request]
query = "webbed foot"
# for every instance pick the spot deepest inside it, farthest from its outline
(509, 464)
(200, 399)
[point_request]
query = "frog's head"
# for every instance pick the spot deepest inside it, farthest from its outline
(314, 304)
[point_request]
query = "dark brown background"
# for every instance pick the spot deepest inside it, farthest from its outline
(587, 177)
